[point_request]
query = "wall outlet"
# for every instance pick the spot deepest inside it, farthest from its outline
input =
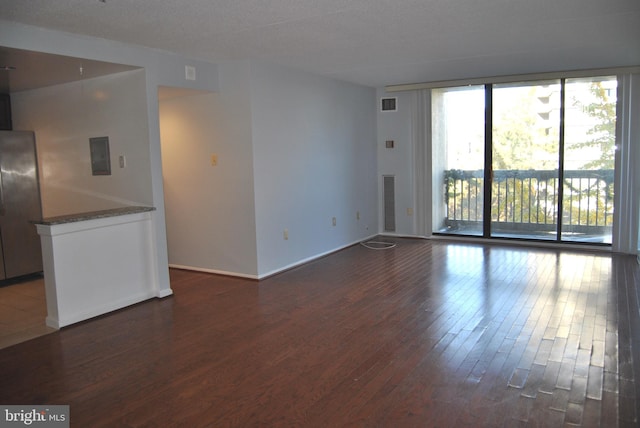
(357, 215)
(285, 234)
(333, 220)
(409, 211)
(189, 72)
(214, 160)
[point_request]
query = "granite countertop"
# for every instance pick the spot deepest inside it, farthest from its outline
(72, 218)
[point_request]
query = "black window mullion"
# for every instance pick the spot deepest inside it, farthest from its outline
(561, 161)
(488, 158)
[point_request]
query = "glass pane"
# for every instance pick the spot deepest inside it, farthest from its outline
(458, 159)
(526, 128)
(590, 135)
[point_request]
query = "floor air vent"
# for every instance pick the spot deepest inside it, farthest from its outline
(389, 198)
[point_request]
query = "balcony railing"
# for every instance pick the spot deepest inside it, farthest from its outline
(528, 200)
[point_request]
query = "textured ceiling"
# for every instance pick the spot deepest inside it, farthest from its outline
(371, 42)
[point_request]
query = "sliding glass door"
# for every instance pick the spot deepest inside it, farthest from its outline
(459, 129)
(589, 157)
(528, 160)
(525, 161)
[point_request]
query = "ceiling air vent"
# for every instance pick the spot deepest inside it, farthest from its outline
(389, 104)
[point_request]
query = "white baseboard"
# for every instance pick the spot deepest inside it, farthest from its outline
(401, 235)
(275, 271)
(164, 293)
(312, 258)
(98, 310)
(214, 271)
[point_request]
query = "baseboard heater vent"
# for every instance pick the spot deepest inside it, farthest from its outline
(389, 198)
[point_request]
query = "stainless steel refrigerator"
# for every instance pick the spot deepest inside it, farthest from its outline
(20, 252)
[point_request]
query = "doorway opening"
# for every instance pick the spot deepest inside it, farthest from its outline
(188, 138)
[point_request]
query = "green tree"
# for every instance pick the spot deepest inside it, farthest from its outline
(521, 138)
(599, 145)
(525, 138)
(602, 134)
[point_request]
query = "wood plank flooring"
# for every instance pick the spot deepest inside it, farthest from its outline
(427, 334)
(23, 309)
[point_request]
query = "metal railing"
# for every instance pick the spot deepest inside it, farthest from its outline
(528, 199)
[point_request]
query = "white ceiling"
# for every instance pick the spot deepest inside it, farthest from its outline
(371, 42)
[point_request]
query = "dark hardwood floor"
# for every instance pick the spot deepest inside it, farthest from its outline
(427, 334)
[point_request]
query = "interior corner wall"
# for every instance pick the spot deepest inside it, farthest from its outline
(397, 126)
(64, 118)
(314, 160)
(210, 209)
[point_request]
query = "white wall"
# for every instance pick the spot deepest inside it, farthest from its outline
(314, 156)
(294, 150)
(210, 209)
(161, 68)
(64, 117)
(313, 150)
(397, 126)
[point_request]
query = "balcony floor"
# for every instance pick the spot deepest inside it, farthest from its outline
(583, 238)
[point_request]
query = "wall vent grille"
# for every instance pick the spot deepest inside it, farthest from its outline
(389, 200)
(389, 104)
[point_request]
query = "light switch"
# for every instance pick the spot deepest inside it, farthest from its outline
(122, 161)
